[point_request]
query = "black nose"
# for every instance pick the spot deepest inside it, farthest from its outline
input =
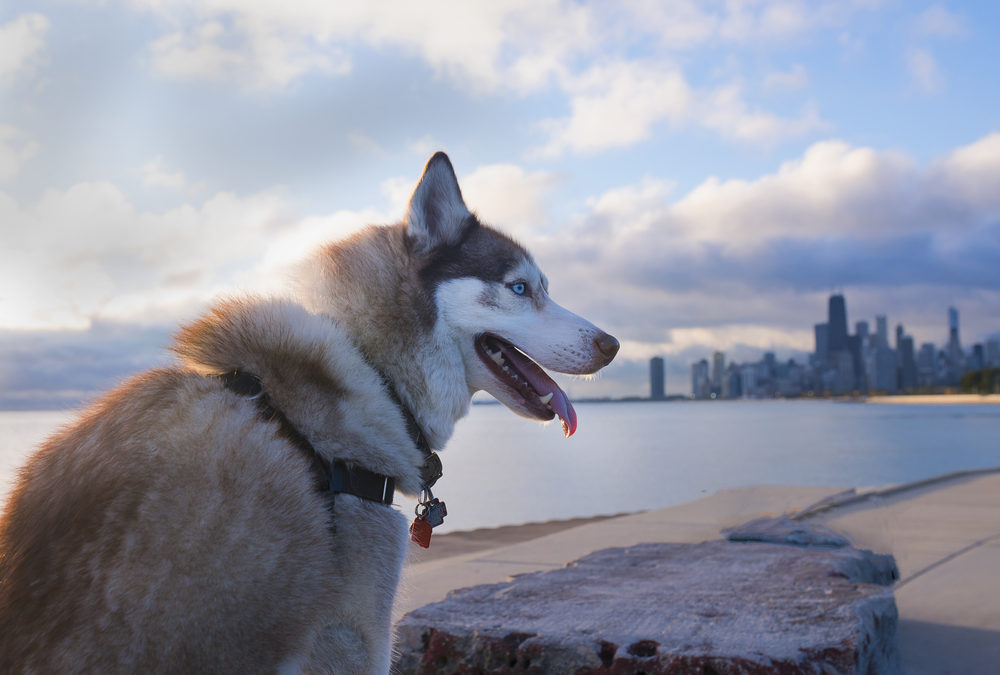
(607, 345)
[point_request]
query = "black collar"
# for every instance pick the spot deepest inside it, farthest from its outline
(333, 477)
(431, 469)
(337, 476)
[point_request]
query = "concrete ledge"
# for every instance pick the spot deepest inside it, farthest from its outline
(718, 606)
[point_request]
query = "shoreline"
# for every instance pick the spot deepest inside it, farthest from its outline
(462, 542)
(927, 399)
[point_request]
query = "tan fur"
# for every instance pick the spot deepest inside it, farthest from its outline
(171, 528)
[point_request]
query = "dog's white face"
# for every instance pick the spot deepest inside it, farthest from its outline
(509, 330)
(491, 305)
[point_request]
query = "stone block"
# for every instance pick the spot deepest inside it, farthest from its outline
(717, 607)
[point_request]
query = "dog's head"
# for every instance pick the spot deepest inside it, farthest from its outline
(492, 300)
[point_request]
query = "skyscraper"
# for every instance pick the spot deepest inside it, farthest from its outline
(907, 363)
(881, 331)
(718, 371)
(993, 352)
(700, 386)
(822, 344)
(955, 357)
(837, 324)
(861, 330)
(657, 379)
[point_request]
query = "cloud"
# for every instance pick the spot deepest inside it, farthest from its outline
(788, 80)
(938, 22)
(619, 104)
(616, 67)
(616, 105)
(16, 148)
(59, 369)
(512, 198)
(155, 174)
(738, 258)
(725, 111)
(261, 58)
(87, 252)
(517, 45)
(512, 45)
(968, 175)
(925, 73)
(21, 43)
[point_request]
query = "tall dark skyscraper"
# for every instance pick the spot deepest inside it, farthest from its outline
(907, 363)
(657, 379)
(836, 338)
(822, 347)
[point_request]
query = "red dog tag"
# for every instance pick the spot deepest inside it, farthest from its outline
(420, 532)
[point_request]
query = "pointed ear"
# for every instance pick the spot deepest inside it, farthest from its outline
(437, 215)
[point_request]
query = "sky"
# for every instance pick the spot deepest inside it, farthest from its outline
(691, 176)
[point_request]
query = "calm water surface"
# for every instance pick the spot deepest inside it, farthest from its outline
(500, 469)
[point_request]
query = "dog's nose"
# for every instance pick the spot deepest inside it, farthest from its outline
(607, 345)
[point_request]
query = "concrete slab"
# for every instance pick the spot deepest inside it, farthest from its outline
(923, 526)
(946, 540)
(691, 522)
(718, 606)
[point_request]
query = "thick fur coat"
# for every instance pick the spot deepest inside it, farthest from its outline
(173, 528)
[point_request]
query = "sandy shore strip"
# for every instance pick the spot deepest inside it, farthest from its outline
(935, 399)
(472, 541)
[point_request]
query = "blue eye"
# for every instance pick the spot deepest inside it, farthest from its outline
(518, 287)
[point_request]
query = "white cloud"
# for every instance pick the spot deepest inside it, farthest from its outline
(725, 111)
(681, 24)
(620, 104)
(87, 252)
(742, 261)
(617, 104)
(519, 46)
(253, 54)
(155, 174)
(510, 197)
(924, 71)
(787, 80)
(16, 148)
(21, 43)
(938, 21)
(970, 175)
(511, 45)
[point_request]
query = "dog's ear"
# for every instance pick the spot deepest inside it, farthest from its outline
(437, 215)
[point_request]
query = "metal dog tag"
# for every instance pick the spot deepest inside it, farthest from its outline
(420, 531)
(436, 511)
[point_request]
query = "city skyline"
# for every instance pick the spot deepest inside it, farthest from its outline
(843, 362)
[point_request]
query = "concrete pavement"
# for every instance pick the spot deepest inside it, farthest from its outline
(944, 533)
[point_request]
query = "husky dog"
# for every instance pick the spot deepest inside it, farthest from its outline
(232, 512)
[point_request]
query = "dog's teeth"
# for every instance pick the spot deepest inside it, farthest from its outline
(545, 399)
(497, 357)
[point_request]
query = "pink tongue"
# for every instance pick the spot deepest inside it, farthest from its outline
(562, 407)
(541, 382)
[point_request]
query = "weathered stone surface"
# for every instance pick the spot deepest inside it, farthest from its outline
(784, 530)
(717, 607)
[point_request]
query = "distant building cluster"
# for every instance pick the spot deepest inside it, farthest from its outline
(843, 362)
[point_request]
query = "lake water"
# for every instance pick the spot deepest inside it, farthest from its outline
(500, 469)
